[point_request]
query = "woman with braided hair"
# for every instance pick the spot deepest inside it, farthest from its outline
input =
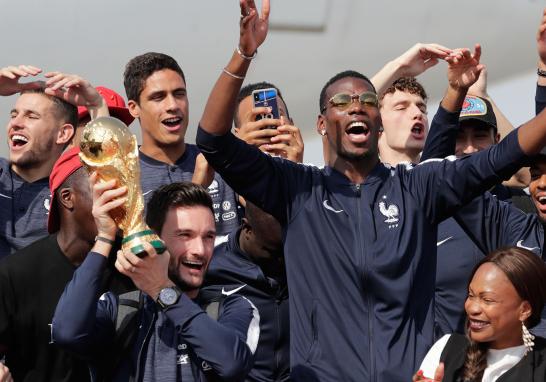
(506, 296)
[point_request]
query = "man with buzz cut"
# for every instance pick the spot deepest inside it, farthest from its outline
(359, 236)
(158, 97)
(41, 125)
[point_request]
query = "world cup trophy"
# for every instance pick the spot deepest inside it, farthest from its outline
(110, 149)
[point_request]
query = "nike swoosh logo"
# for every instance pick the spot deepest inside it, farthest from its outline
(147, 192)
(329, 207)
(5, 196)
(443, 241)
(520, 245)
(230, 292)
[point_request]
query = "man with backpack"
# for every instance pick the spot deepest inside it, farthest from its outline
(172, 338)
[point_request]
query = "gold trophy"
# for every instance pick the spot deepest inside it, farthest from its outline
(110, 149)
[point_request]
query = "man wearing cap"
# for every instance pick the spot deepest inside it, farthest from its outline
(477, 126)
(33, 279)
(116, 108)
(40, 127)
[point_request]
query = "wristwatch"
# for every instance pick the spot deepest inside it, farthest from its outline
(168, 296)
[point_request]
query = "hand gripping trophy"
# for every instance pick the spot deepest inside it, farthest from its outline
(110, 149)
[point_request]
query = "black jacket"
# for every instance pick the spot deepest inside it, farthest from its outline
(531, 368)
(232, 271)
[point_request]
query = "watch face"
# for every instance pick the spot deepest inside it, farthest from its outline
(168, 296)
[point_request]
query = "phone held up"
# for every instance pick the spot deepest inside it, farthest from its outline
(266, 98)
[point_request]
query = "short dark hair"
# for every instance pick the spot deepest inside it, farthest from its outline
(247, 90)
(337, 77)
(181, 194)
(64, 110)
(406, 84)
(139, 68)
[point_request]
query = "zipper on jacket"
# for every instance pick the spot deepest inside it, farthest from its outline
(365, 281)
(277, 337)
(146, 338)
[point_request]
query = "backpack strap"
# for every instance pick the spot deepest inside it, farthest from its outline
(129, 305)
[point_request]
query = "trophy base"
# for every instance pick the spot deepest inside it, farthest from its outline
(135, 241)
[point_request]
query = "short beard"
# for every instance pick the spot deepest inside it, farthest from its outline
(33, 158)
(351, 157)
(180, 283)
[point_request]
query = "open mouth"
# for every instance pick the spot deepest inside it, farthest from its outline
(357, 128)
(172, 123)
(193, 264)
(357, 131)
(477, 325)
(542, 200)
(418, 131)
(18, 140)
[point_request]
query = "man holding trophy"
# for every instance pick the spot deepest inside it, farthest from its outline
(173, 338)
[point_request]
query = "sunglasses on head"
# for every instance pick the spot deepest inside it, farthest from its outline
(343, 100)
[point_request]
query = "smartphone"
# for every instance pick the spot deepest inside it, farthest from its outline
(266, 98)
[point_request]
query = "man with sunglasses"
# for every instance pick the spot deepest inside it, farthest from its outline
(359, 236)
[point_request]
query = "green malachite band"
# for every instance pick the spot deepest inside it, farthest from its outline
(157, 244)
(138, 234)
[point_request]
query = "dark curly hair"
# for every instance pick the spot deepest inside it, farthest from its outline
(141, 67)
(406, 84)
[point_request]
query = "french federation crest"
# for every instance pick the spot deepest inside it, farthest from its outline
(391, 212)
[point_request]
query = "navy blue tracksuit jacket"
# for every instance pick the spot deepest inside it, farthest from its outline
(233, 271)
(360, 258)
(489, 222)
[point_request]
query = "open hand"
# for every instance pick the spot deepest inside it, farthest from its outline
(420, 58)
(464, 67)
(10, 76)
(73, 89)
(254, 27)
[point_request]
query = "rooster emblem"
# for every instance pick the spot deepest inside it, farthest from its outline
(390, 212)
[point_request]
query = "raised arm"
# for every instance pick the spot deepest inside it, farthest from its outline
(479, 89)
(464, 69)
(416, 60)
(82, 323)
(219, 110)
(540, 98)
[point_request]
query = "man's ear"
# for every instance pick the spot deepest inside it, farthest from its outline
(497, 138)
(321, 125)
(134, 108)
(64, 197)
(246, 228)
(65, 134)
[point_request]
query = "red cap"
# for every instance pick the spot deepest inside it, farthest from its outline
(65, 166)
(115, 103)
